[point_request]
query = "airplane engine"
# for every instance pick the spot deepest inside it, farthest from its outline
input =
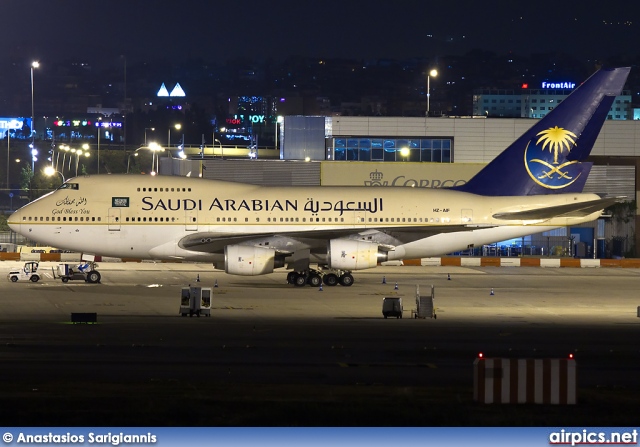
(248, 261)
(353, 255)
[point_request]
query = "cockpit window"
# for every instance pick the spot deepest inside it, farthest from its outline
(69, 186)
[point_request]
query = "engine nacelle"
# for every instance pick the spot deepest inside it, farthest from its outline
(248, 261)
(345, 254)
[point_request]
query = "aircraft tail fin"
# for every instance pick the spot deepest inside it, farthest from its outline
(548, 157)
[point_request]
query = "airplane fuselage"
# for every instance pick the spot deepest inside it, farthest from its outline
(147, 217)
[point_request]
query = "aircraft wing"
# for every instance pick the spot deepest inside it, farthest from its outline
(210, 242)
(569, 210)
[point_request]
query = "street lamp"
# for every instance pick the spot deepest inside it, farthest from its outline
(433, 73)
(135, 154)
(152, 129)
(154, 147)
(64, 148)
(34, 64)
(34, 156)
(79, 153)
(177, 127)
(50, 170)
(8, 137)
(99, 124)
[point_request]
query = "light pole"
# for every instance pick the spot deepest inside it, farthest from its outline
(79, 153)
(8, 137)
(152, 129)
(135, 154)
(177, 127)
(34, 64)
(50, 170)
(433, 73)
(154, 147)
(99, 124)
(65, 149)
(34, 153)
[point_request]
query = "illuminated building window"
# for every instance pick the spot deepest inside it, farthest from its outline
(393, 149)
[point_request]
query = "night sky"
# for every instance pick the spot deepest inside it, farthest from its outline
(101, 31)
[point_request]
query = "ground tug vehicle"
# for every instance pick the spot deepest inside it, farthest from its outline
(27, 273)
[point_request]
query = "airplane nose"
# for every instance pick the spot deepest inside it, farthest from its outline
(14, 222)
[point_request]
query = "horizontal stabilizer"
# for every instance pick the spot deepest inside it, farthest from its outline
(570, 210)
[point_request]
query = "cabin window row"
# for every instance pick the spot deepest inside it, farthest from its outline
(410, 219)
(150, 219)
(235, 219)
(61, 219)
(164, 189)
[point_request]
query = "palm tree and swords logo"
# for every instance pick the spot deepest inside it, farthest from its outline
(544, 167)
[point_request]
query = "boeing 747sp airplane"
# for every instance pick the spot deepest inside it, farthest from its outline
(533, 186)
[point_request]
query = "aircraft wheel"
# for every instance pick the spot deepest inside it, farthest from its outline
(291, 277)
(346, 280)
(314, 280)
(34, 278)
(330, 279)
(14, 278)
(93, 277)
(300, 280)
(65, 279)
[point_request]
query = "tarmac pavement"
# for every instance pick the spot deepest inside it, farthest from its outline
(265, 333)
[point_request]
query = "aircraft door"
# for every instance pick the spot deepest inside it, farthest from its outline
(191, 220)
(466, 216)
(114, 219)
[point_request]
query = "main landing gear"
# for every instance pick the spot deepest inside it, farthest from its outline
(316, 277)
